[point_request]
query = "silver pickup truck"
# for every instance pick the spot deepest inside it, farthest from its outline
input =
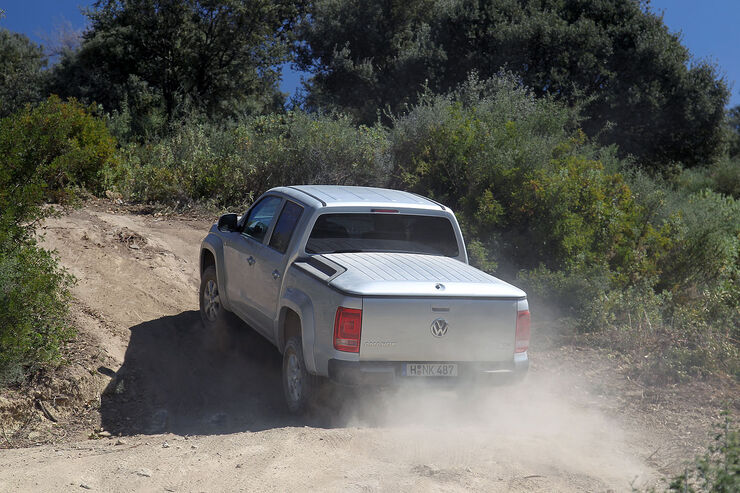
(361, 285)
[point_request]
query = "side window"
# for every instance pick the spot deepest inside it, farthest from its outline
(260, 217)
(285, 225)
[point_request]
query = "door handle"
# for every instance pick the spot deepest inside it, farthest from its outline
(275, 275)
(251, 260)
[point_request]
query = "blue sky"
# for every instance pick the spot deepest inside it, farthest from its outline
(709, 29)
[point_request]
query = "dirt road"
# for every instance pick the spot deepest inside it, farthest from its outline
(189, 411)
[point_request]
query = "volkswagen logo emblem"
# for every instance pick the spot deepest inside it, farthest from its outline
(439, 327)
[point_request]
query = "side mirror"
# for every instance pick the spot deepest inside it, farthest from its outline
(227, 222)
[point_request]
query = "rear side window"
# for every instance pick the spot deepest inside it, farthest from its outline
(378, 232)
(285, 225)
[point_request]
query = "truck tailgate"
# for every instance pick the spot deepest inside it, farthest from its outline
(438, 329)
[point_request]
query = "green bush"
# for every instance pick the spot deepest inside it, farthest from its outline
(526, 189)
(674, 306)
(46, 152)
(722, 177)
(230, 166)
(702, 232)
(571, 294)
(718, 470)
(190, 165)
(60, 142)
(34, 293)
(666, 339)
(707, 245)
(726, 175)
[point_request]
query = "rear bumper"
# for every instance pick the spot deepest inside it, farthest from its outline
(389, 373)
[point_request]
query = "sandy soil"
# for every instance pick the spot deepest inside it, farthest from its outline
(161, 405)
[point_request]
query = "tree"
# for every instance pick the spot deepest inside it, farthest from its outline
(733, 121)
(216, 56)
(365, 56)
(615, 59)
(21, 71)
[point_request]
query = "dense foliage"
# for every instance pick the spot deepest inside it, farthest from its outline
(33, 310)
(614, 58)
(21, 76)
(229, 167)
(46, 152)
(176, 56)
(733, 121)
(509, 165)
(50, 149)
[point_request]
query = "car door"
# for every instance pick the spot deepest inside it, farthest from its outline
(243, 250)
(272, 260)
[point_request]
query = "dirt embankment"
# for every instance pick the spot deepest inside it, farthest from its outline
(151, 402)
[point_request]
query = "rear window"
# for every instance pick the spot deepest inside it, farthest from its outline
(343, 233)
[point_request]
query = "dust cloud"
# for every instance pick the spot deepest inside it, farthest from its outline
(538, 427)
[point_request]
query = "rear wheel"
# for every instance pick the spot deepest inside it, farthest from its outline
(299, 386)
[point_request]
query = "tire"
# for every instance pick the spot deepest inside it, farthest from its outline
(212, 311)
(299, 386)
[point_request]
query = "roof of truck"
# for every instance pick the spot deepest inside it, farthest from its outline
(340, 195)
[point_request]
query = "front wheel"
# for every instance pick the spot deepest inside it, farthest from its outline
(299, 386)
(212, 310)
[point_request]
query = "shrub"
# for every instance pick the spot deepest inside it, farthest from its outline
(707, 246)
(726, 175)
(525, 188)
(719, 469)
(34, 293)
(231, 165)
(46, 152)
(60, 142)
(722, 177)
(299, 148)
(570, 293)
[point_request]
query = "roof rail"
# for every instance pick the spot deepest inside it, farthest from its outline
(309, 194)
(430, 200)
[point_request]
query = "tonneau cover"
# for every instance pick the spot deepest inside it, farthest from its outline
(406, 274)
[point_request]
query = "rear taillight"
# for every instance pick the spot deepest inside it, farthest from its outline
(522, 331)
(347, 329)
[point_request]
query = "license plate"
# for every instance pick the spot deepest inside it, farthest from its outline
(431, 370)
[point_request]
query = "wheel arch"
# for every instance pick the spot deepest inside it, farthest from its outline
(207, 259)
(212, 254)
(296, 318)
